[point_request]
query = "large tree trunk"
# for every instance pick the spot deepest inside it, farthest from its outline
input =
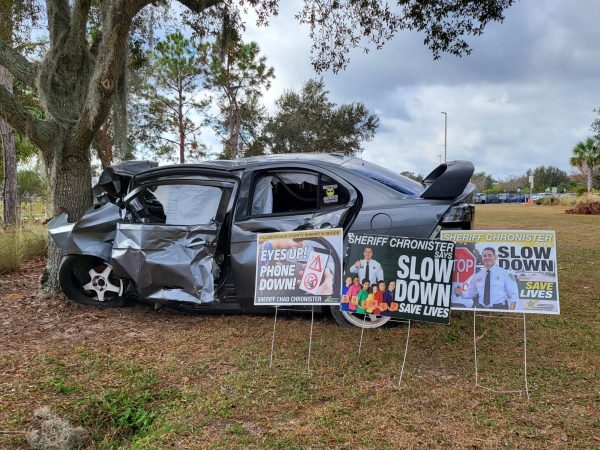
(71, 194)
(7, 140)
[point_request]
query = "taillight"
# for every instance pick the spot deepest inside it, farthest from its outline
(462, 213)
(460, 216)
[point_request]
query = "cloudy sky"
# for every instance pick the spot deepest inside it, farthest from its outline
(523, 98)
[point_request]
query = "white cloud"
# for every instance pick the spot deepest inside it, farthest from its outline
(523, 98)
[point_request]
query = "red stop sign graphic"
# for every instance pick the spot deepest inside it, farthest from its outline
(464, 264)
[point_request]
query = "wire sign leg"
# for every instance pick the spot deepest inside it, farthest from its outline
(525, 355)
(273, 339)
(312, 321)
(520, 392)
(475, 346)
(405, 353)
(362, 332)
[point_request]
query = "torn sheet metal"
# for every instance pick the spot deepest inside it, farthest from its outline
(92, 235)
(114, 180)
(167, 262)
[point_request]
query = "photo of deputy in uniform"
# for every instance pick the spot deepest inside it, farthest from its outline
(367, 268)
(492, 287)
(504, 271)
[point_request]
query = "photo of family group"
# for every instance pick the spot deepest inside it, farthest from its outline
(366, 297)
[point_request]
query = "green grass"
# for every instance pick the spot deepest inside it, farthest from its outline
(146, 380)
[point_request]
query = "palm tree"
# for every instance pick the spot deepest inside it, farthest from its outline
(586, 157)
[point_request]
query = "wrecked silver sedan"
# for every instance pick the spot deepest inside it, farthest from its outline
(186, 235)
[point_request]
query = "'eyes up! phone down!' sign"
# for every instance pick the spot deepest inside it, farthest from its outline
(299, 267)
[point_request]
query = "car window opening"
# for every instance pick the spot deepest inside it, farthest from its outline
(286, 192)
(294, 192)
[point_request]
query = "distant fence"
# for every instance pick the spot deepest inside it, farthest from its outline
(30, 210)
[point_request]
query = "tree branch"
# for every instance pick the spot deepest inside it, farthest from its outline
(79, 19)
(199, 5)
(17, 65)
(103, 81)
(58, 12)
(168, 140)
(39, 132)
(103, 146)
(167, 104)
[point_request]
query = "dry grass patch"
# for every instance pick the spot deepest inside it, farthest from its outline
(21, 244)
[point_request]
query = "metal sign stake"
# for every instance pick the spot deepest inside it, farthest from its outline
(405, 353)
(312, 321)
(273, 339)
(362, 332)
(475, 348)
(525, 355)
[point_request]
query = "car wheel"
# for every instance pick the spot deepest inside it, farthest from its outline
(347, 319)
(90, 281)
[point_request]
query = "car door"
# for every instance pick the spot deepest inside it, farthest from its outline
(284, 199)
(168, 243)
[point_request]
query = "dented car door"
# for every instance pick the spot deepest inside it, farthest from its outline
(168, 243)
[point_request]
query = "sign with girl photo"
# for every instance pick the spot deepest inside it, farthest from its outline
(299, 267)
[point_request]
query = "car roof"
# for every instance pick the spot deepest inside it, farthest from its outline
(222, 165)
(242, 163)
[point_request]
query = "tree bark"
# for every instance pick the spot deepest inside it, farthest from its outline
(7, 138)
(121, 148)
(72, 194)
(10, 198)
(103, 146)
(235, 136)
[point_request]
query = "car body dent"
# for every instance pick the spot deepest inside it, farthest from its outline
(174, 262)
(92, 235)
(181, 257)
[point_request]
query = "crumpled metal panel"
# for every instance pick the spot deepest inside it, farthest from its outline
(167, 262)
(92, 235)
(114, 181)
